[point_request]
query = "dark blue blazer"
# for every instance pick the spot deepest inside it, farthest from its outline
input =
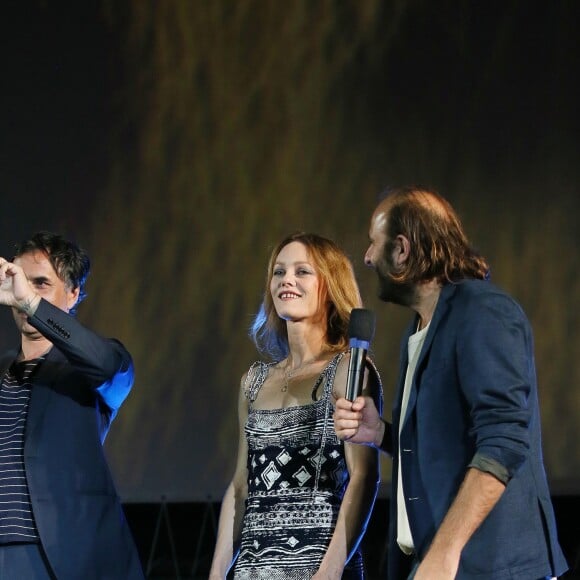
(474, 394)
(75, 395)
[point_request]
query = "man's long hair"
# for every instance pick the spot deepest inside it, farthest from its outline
(439, 247)
(339, 293)
(70, 262)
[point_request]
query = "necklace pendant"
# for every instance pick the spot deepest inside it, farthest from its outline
(284, 388)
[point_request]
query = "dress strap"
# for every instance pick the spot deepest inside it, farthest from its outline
(329, 373)
(255, 378)
(327, 376)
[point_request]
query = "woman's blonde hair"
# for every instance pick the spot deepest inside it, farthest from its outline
(338, 291)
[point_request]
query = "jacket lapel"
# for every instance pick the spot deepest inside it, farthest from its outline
(440, 311)
(40, 396)
(6, 362)
(403, 362)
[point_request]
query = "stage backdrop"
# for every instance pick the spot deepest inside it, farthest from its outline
(179, 141)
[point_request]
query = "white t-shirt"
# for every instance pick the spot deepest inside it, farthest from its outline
(404, 536)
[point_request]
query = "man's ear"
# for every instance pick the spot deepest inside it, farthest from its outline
(72, 298)
(402, 250)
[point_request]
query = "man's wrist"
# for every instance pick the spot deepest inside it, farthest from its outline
(29, 304)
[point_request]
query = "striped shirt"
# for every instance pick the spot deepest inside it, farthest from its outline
(16, 519)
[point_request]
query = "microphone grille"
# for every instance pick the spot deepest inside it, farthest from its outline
(361, 324)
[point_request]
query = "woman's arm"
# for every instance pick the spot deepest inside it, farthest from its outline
(363, 467)
(233, 504)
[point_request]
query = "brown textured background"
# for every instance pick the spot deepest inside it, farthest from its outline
(179, 140)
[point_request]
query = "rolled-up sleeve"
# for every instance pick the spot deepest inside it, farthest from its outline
(496, 371)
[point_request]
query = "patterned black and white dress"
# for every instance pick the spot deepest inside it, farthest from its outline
(297, 476)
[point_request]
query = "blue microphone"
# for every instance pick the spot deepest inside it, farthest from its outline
(361, 329)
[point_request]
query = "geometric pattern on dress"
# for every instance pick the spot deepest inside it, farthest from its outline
(297, 476)
(338, 475)
(316, 458)
(270, 475)
(284, 458)
(302, 476)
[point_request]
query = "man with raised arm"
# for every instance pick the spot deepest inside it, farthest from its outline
(60, 516)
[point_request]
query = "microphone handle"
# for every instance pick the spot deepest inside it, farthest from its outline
(356, 368)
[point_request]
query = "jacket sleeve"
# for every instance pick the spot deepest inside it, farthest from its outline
(104, 362)
(496, 371)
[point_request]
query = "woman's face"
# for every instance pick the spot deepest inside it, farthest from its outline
(295, 284)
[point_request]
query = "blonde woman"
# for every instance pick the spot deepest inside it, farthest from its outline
(300, 498)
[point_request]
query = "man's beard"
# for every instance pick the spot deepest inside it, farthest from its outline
(401, 293)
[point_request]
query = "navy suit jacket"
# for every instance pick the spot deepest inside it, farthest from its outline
(75, 394)
(474, 393)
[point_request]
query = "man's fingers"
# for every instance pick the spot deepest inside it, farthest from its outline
(346, 434)
(347, 418)
(343, 404)
(346, 428)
